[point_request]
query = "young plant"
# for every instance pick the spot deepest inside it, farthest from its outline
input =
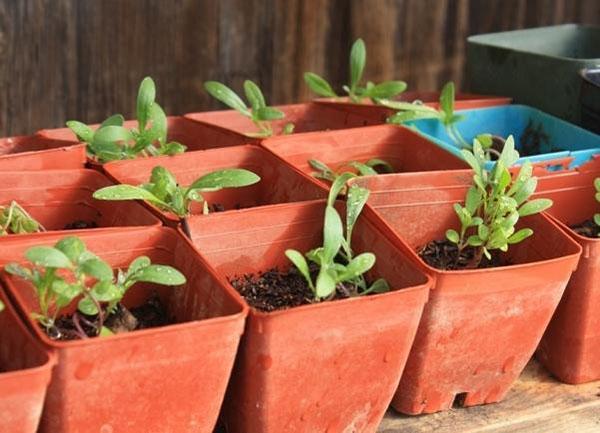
(323, 171)
(112, 141)
(339, 269)
(164, 192)
(494, 204)
(597, 187)
(260, 114)
(16, 220)
(68, 271)
(356, 91)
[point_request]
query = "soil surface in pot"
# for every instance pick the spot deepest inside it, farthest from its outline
(150, 314)
(81, 224)
(276, 290)
(588, 228)
(444, 255)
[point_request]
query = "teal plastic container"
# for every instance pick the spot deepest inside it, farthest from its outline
(537, 67)
(559, 138)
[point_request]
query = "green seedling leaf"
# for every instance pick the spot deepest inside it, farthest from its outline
(138, 264)
(226, 96)
(97, 268)
(379, 286)
(358, 58)
(114, 120)
(520, 236)
(145, 101)
(269, 113)
(363, 169)
(87, 306)
(447, 100)
(358, 266)
(534, 206)
(254, 95)
(387, 89)
(105, 332)
(81, 130)
(288, 128)
(384, 166)
(72, 247)
(336, 187)
(48, 257)
(319, 85)
(300, 262)
(160, 274)
(126, 192)
(228, 178)
(325, 286)
(357, 198)
(452, 236)
(333, 234)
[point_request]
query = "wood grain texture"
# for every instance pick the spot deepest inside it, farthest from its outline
(83, 59)
(536, 404)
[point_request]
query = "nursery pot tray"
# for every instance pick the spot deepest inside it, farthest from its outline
(538, 136)
(590, 99)
(403, 148)
(181, 369)
(62, 200)
(538, 67)
(36, 152)
(480, 326)
(331, 366)
(570, 348)
(25, 370)
(377, 114)
(280, 182)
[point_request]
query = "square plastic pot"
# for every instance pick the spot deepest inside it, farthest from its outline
(403, 148)
(590, 99)
(570, 349)
(35, 152)
(480, 327)
(377, 114)
(537, 67)
(167, 379)
(565, 139)
(326, 367)
(307, 117)
(280, 182)
(25, 370)
(57, 198)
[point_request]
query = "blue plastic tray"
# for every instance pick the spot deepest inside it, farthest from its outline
(565, 139)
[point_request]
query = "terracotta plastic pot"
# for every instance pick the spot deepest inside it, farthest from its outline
(307, 117)
(377, 114)
(57, 198)
(570, 349)
(327, 367)
(280, 182)
(25, 370)
(35, 152)
(480, 327)
(403, 148)
(167, 379)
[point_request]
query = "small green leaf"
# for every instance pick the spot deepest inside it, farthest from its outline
(160, 274)
(447, 100)
(336, 187)
(105, 332)
(358, 266)
(357, 198)
(111, 135)
(48, 257)
(597, 184)
(138, 264)
(379, 286)
(387, 89)
(18, 270)
(471, 160)
(318, 85)
(254, 95)
(98, 269)
(363, 169)
(72, 247)
(358, 58)
(126, 192)
(333, 234)
(485, 140)
(145, 100)
(81, 130)
(325, 286)
(483, 232)
(106, 291)
(114, 120)
(376, 162)
(288, 128)
(227, 96)
(597, 219)
(300, 262)
(520, 235)
(535, 206)
(452, 236)
(87, 306)
(269, 113)
(474, 241)
(227, 178)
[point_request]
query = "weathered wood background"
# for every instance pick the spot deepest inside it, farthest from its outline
(83, 59)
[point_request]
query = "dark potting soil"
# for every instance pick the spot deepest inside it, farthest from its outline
(588, 228)
(535, 140)
(151, 314)
(443, 255)
(276, 290)
(80, 224)
(218, 207)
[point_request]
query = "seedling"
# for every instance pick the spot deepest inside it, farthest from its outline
(260, 114)
(16, 220)
(68, 271)
(339, 269)
(409, 111)
(368, 168)
(494, 204)
(597, 187)
(356, 91)
(112, 141)
(164, 192)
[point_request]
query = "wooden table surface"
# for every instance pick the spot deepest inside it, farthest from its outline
(537, 403)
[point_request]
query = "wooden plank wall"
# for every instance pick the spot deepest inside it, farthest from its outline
(83, 59)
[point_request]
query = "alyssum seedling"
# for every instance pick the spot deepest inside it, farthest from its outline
(16, 220)
(339, 269)
(164, 192)
(494, 204)
(112, 141)
(260, 114)
(371, 167)
(67, 271)
(355, 90)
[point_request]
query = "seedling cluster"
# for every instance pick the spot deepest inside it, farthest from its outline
(368, 168)
(113, 141)
(67, 271)
(16, 220)
(164, 192)
(597, 187)
(339, 269)
(357, 92)
(494, 204)
(259, 112)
